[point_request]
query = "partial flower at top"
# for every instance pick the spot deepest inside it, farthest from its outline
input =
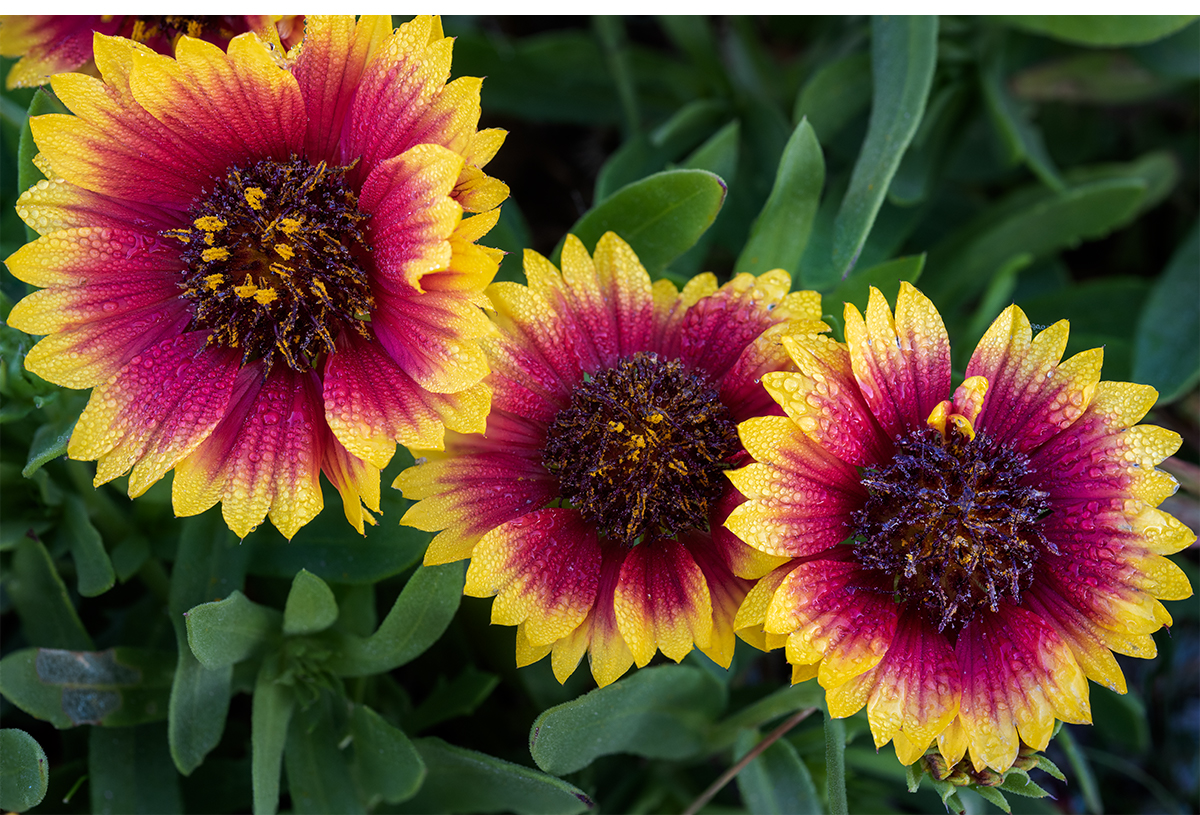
(592, 505)
(50, 44)
(959, 566)
(259, 262)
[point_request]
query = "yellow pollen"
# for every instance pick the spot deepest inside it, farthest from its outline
(265, 296)
(247, 289)
(281, 270)
(210, 223)
(180, 235)
(286, 252)
(616, 427)
(213, 281)
(290, 226)
(254, 197)
(194, 28)
(139, 31)
(656, 418)
(216, 253)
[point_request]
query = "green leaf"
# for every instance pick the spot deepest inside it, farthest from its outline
(1081, 770)
(661, 217)
(47, 616)
(93, 569)
(662, 712)
(450, 699)
(786, 700)
(24, 772)
(310, 607)
(1166, 354)
(1100, 29)
(120, 686)
(780, 232)
(208, 562)
(50, 442)
(931, 146)
(230, 630)
(962, 265)
(270, 715)
(1176, 56)
(417, 619)
(991, 795)
(460, 780)
(1021, 136)
(903, 56)
(318, 775)
(776, 781)
(719, 156)
(130, 771)
(1019, 783)
(1159, 169)
(886, 277)
(386, 763)
(1094, 77)
(839, 91)
(611, 32)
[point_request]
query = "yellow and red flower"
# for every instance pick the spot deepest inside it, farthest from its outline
(959, 566)
(50, 44)
(592, 505)
(259, 262)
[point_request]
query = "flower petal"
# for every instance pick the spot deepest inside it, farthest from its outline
(822, 397)
(608, 655)
(725, 590)
(662, 601)
(264, 458)
(902, 365)
(371, 404)
(155, 411)
(1018, 676)
(356, 480)
(543, 569)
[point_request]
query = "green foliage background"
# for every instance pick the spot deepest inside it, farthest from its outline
(1050, 162)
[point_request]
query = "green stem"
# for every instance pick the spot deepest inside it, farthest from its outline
(1083, 771)
(732, 772)
(835, 764)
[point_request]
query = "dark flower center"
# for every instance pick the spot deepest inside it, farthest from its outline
(641, 448)
(954, 523)
(273, 256)
(170, 26)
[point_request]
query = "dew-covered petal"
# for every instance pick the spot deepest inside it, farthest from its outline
(543, 569)
(902, 365)
(155, 411)
(264, 458)
(662, 601)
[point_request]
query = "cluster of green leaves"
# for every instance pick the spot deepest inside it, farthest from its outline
(1047, 161)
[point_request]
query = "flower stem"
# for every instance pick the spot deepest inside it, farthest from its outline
(731, 773)
(835, 764)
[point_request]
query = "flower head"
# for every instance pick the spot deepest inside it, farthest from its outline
(51, 44)
(959, 566)
(591, 506)
(259, 262)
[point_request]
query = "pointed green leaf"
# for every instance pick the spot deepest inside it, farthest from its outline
(386, 763)
(318, 773)
(960, 267)
(991, 795)
(209, 562)
(50, 442)
(780, 232)
(24, 772)
(270, 715)
(1020, 135)
(903, 56)
(1100, 29)
(310, 606)
(130, 771)
(662, 712)
(661, 217)
(776, 781)
(835, 94)
(40, 597)
(1166, 354)
(93, 568)
(460, 780)
(1018, 782)
(718, 155)
(230, 630)
(418, 617)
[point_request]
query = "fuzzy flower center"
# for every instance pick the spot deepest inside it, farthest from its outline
(952, 521)
(171, 26)
(641, 448)
(273, 261)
